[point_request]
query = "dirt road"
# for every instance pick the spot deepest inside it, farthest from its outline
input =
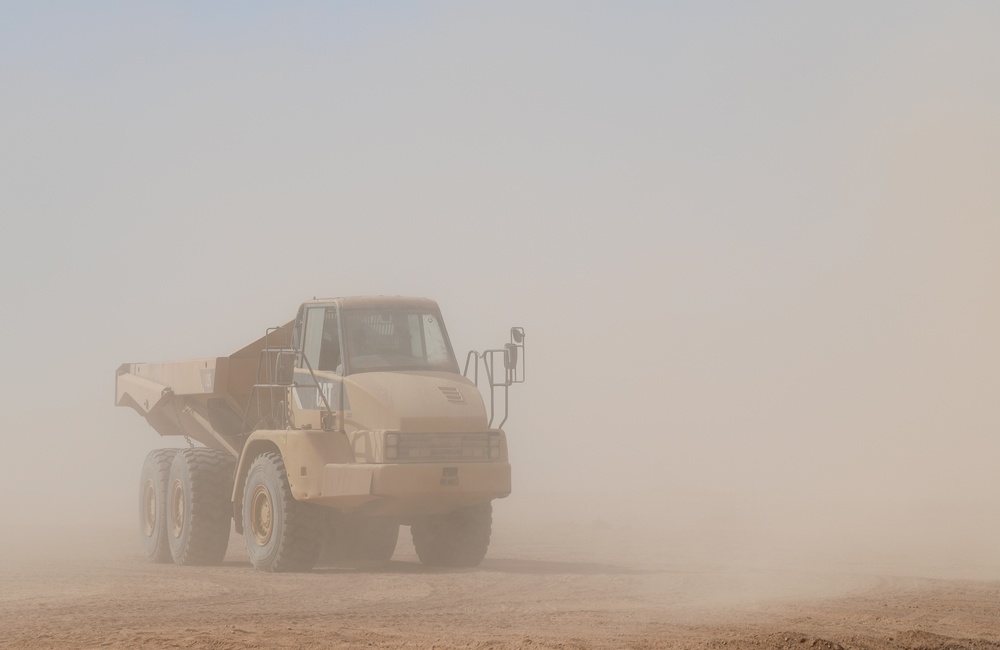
(584, 585)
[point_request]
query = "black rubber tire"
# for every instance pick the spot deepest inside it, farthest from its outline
(358, 541)
(281, 534)
(199, 505)
(153, 504)
(458, 539)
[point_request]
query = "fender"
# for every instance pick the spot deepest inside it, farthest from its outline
(304, 451)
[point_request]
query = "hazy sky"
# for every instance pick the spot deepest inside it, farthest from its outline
(755, 246)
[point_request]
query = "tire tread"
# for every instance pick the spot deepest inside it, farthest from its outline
(300, 531)
(458, 539)
(210, 472)
(158, 462)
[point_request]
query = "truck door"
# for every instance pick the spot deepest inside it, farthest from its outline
(321, 360)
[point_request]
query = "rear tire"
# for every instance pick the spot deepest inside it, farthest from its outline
(458, 539)
(153, 504)
(281, 534)
(199, 505)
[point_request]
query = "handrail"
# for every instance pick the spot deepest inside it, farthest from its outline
(510, 376)
(271, 381)
(315, 384)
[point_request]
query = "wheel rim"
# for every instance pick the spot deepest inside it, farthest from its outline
(149, 508)
(261, 515)
(177, 509)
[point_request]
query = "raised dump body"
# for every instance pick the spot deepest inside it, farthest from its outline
(331, 430)
(204, 399)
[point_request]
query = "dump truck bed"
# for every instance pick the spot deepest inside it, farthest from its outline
(204, 399)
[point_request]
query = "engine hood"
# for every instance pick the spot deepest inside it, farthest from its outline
(419, 401)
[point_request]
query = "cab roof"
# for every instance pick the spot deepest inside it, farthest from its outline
(375, 302)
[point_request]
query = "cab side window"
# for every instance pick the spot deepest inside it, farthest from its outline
(329, 354)
(313, 338)
(321, 343)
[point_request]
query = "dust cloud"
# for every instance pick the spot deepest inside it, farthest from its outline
(754, 249)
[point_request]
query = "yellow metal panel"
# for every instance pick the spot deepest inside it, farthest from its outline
(346, 480)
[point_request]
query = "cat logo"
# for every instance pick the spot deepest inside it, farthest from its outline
(449, 476)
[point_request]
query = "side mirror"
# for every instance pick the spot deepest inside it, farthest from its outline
(510, 356)
(513, 356)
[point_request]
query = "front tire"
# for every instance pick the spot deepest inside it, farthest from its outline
(281, 534)
(350, 540)
(458, 539)
(153, 504)
(199, 506)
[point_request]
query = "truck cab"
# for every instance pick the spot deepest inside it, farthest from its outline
(378, 378)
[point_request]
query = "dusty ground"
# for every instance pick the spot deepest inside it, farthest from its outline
(544, 585)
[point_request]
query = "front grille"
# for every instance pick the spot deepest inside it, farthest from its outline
(443, 447)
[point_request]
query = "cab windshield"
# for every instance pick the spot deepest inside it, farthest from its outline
(396, 340)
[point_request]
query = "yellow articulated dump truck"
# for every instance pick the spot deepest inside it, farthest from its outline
(320, 439)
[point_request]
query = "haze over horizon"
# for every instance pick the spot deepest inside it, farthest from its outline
(755, 247)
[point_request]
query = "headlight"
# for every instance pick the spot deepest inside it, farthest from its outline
(494, 446)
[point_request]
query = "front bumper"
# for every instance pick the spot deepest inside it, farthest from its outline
(412, 488)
